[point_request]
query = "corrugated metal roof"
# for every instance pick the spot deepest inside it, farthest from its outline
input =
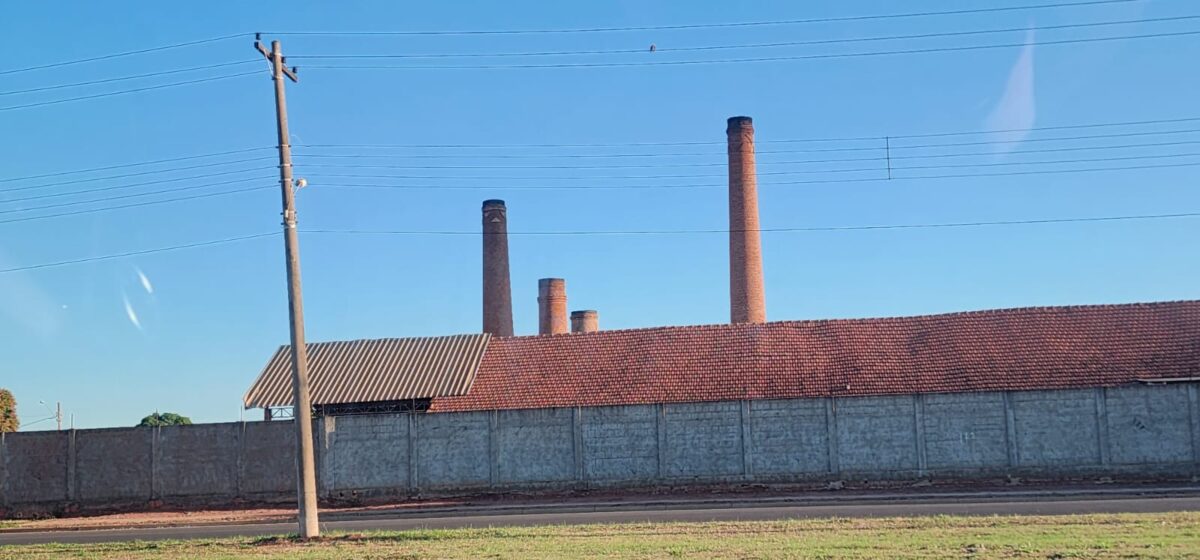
(385, 369)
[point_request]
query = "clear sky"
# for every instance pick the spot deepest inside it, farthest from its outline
(187, 331)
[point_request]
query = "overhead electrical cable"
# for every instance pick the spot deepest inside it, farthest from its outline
(136, 164)
(138, 253)
(817, 56)
(1093, 219)
(833, 19)
(877, 138)
(770, 230)
(723, 164)
(661, 49)
(119, 187)
(769, 183)
(135, 205)
(134, 77)
(128, 91)
(123, 54)
(127, 175)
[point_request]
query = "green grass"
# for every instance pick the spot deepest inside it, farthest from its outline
(9, 524)
(1171, 535)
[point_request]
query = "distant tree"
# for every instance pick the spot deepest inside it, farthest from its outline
(8, 412)
(164, 419)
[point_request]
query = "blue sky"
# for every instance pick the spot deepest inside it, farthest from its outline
(187, 331)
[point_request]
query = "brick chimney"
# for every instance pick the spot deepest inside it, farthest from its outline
(746, 299)
(497, 291)
(552, 306)
(585, 321)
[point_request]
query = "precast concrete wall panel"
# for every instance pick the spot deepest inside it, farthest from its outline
(368, 451)
(788, 437)
(1148, 425)
(268, 465)
(535, 445)
(1056, 428)
(620, 442)
(114, 464)
(452, 450)
(965, 431)
(876, 434)
(199, 460)
(703, 439)
(36, 466)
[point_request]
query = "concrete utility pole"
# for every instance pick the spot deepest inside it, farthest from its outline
(306, 476)
(58, 414)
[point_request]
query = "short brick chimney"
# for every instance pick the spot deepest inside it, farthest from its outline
(497, 291)
(746, 298)
(585, 321)
(552, 306)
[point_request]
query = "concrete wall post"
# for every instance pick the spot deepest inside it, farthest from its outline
(155, 460)
(832, 434)
(413, 449)
(3, 473)
(577, 437)
(241, 460)
(494, 447)
(1010, 430)
(326, 432)
(747, 422)
(1194, 409)
(72, 469)
(660, 425)
(1102, 425)
(919, 433)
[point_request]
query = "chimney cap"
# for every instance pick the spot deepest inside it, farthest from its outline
(551, 280)
(493, 203)
(584, 312)
(740, 121)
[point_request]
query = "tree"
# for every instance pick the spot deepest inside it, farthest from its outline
(8, 412)
(164, 419)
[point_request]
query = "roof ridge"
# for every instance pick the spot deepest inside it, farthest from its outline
(948, 314)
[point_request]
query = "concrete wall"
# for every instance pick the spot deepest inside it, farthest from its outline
(124, 468)
(1137, 430)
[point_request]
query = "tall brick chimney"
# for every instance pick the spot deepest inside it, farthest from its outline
(585, 321)
(497, 291)
(552, 306)
(746, 299)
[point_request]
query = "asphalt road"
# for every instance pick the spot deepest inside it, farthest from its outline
(733, 512)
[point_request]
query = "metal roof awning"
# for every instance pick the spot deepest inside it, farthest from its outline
(389, 369)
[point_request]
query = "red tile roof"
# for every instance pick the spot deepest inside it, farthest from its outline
(1009, 349)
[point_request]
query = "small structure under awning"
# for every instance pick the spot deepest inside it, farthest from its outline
(361, 372)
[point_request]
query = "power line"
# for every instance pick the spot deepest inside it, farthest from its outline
(125, 186)
(124, 196)
(127, 175)
(769, 141)
(774, 230)
(721, 154)
(692, 165)
(755, 59)
(122, 54)
(126, 91)
(134, 205)
(625, 232)
(714, 25)
(137, 253)
(125, 78)
(766, 184)
(137, 164)
(659, 49)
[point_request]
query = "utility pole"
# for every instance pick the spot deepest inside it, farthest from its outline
(58, 414)
(306, 477)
